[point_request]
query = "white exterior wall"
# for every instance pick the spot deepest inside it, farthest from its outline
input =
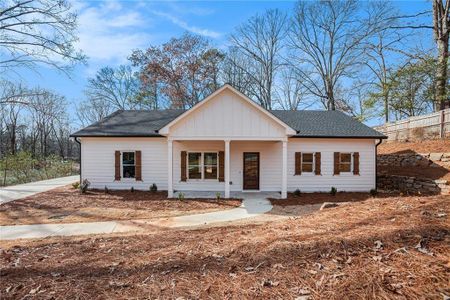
(227, 116)
(97, 162)
(343, 182)
(270, 164)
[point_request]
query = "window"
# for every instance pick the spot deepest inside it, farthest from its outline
(194, 165)
(345, 162)
(203, 165)
(210, 165)
(128, 165)
(307, 162)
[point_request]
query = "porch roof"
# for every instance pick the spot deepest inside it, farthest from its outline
(307, 123)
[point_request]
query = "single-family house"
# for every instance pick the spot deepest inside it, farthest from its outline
(229, 143)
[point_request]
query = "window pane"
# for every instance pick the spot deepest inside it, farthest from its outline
(346, 157)
(210, 172)
(128, 171)
(345, 167)
(194, 159)
(210, 159)
(128, 158)
(307, 157)
(307, 167)
(194, 172)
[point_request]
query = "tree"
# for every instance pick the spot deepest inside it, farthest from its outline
(441, 30)
(182, 71)
(413, 88)
(37, 31)
(118, 87)
(260, 42)
(290, 93)
(327, 39)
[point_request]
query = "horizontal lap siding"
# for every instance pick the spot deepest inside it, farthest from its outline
(343, 182)
(98, 162)
(270, 165)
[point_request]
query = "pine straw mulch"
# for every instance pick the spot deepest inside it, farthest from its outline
(388, 248)
(426, 146)
(68, 205)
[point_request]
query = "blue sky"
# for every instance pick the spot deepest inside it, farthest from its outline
(110, 30)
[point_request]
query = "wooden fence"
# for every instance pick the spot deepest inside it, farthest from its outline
(431, 126)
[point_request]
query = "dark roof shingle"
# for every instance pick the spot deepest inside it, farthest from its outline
(307, 123)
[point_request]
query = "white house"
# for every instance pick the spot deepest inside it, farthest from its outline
(229, 143)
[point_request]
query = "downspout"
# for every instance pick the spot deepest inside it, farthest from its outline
(376, 163)
(79, 143)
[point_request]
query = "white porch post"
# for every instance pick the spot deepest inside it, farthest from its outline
(169, 168)
(284, 172)
(227, 168)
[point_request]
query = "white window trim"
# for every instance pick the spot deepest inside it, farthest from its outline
(121, 165)
(202, 165)
(313, 172)
(351, 163)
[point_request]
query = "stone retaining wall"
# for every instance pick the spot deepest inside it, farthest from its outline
(413, 185)
(412, 159)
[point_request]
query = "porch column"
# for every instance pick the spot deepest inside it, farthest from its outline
(284, 172)
(169, 169)
(227, 168)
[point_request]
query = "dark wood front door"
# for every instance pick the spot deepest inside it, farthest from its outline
(251, 170)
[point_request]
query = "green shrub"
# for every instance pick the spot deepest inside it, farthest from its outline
(76, 185)
(132, 189)
(180, 196)
(153, 188)
(218, 195)
(373, 192)
(333, 191)
(297, 192)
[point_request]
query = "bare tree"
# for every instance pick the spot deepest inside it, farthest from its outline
(260, 42)
(327, 39)
(118, 87)
(93, 110)
(290, 92)
(234, 70)
(37, 31)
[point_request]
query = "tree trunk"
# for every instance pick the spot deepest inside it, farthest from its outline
(441, 76)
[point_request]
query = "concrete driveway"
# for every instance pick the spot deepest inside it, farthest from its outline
(15, 192)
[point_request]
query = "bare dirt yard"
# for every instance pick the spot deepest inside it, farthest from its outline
(439, 171)
(68, 205)
(389, 247)
(426, 146)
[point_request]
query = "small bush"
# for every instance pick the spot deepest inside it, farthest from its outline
(76, 185)
(84, 186)
(218, 195)
(153, 188)
(373, 192)
(106, 190)
(333, 191)
(181, 196)
(297, 193)
(132, 189)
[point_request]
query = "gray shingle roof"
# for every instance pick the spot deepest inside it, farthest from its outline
(131, 123)
(307, 123)
(323, 123)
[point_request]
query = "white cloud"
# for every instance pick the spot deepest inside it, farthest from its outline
(108, 33)
(186, 26)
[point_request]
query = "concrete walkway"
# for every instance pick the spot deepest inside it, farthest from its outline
(20, 191)
(254, 204)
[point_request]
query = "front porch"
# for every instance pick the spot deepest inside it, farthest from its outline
(234, 195)
(205, 167)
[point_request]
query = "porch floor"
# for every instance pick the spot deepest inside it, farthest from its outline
(236, 195)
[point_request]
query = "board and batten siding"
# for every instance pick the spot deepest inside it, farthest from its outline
(227, 116)
(343, 182)
(97, 162)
